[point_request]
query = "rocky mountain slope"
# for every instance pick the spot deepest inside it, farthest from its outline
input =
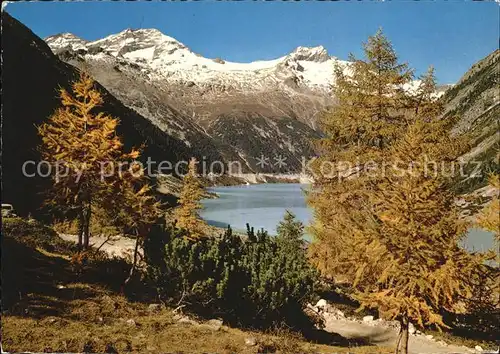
(475, 99)
(246, 110)
(160, 57)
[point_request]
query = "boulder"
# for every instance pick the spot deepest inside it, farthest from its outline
(321, 304)
(411, 328)
(368, 319)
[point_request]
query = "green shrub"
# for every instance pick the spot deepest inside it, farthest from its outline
(261, 280)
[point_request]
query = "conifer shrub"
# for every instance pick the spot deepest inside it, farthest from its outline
(258, 280)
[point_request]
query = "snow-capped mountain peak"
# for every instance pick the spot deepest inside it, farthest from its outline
(140, 44)
(245, 108)
(66, 41)
(317, 54)
(161, 57)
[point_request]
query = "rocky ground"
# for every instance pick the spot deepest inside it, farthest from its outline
(382, 333)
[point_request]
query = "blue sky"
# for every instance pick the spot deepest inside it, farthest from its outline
(451, 35)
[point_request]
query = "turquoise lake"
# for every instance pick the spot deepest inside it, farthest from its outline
(264, 205)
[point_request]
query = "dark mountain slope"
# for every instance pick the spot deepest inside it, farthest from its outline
(31, 75)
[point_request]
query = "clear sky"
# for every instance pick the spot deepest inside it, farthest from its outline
(451, 35)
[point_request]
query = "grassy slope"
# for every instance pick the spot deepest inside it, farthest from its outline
(51, 305)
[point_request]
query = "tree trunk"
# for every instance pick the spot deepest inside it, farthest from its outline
(80, 229)
(86, 227)
(402, 346)
(134, 263)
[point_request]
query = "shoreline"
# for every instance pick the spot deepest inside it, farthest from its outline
(258, 178)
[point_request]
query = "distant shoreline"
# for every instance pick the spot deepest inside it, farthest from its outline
(258, 178)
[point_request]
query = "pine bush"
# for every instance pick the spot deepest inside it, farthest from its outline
(259, 280)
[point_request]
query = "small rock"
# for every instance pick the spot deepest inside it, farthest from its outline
(61, 287)
(478, 348)
(100, 319)
(321, 304)
(429, 336)
(130, 322)
(443, 343)
(213, 324)
(411, 328)
(368, 319)
(155, 307)
(250, 341)
(418, 332)
(51, 320)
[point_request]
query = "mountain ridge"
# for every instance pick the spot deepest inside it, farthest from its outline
(160, 78)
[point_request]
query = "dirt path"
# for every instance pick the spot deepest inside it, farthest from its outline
(115, 246)
(386, 336)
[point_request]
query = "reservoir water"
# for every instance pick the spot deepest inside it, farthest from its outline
(264, 205)
(260, 205)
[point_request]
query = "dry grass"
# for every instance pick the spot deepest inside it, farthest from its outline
(99, 324)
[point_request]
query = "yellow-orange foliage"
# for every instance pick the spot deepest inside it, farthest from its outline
(133, 205)
(385, 219)
(489, 219)
(78, 140)
(186, 214)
